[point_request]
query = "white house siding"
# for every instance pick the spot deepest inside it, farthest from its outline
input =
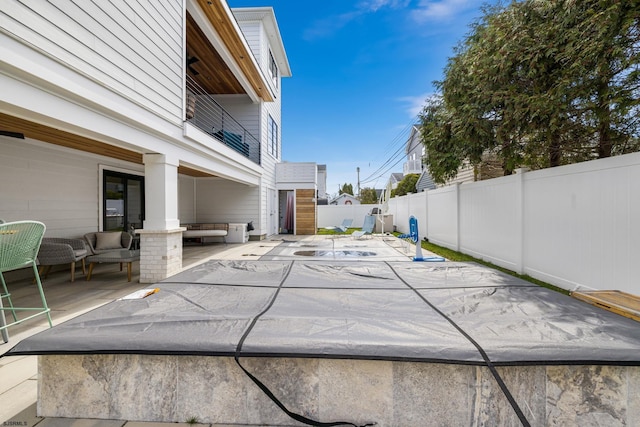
(297, 175)
(55, 185)
(132, 48)
(258, 41)
(253, 33)
(186, 199)
(465, 174)
(219, 200)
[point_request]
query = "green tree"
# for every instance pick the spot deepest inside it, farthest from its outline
(346, 188)
(407, 185)
(444, 152)
(539, 84)
(368, 196)
(609, 61)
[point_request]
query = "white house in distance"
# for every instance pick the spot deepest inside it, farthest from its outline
(415, 163)
(345, 199)
(414, 150)
(154, 113)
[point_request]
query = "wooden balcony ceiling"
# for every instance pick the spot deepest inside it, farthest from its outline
(210, 70)
(77, 142)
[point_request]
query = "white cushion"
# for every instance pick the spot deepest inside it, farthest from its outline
(204, 233)
(108, 241)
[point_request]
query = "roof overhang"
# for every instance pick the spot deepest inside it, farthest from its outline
(217, 22)
(267, 16)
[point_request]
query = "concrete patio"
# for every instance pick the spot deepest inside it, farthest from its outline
(18, 387)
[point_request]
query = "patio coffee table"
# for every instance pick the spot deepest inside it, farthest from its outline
(113, 257)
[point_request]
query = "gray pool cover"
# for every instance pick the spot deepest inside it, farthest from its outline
(437, 312)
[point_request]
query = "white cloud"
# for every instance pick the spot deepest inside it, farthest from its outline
(414, 104)
(429, 10)
(375, 5)
(328, 26)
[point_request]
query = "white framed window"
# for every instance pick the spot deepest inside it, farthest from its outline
(272, 137)
(273, 69)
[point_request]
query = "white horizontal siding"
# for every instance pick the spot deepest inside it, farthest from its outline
(258, 40)
(296, 173)
(55, 185)
(186, 199)
(134, 48)
(464, 174)
(242, 110)
(219, 200)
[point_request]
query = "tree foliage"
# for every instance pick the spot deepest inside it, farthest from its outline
(407, 185)
(368, 196)
(538, 84)
(346, 188)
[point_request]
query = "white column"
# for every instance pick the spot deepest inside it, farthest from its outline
(161, 237)
(161, 192)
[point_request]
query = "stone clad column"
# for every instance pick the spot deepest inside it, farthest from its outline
(161, 236)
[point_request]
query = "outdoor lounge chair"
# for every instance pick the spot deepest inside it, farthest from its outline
(367, 227)
(342, 228)
(105, 241)
(55, 250)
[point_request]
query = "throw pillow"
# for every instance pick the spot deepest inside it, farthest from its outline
(108, 241)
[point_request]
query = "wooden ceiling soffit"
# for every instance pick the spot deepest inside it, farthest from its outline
(206, 66)
(66, 139)
(185, 170)
(14, 125)
(223, 23)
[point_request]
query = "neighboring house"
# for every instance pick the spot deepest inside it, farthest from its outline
(322, 183)
(414, 151)
(345, 199)
(395, 179)
(173, 108)
(425, 182)
(415, 163)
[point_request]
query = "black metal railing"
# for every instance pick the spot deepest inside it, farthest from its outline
(207, 115)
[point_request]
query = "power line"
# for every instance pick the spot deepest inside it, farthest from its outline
(396, 157)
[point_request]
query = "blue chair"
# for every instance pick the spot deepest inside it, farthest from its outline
(367, 227)
(342, 228)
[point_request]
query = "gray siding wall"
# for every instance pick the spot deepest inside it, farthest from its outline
(131, 47)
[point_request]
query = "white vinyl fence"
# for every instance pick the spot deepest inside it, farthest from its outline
(575, 226)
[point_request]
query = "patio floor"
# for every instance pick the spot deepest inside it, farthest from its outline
(457, 290)
(18, 388)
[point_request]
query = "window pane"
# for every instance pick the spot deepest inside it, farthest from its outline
(114, 203)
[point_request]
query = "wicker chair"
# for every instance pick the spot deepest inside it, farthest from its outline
(92, 239)
(56, 250)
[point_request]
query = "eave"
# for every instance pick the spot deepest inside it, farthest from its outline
(236, 50)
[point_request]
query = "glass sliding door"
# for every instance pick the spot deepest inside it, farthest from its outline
(123, 201)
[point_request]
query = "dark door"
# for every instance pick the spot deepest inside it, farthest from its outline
(123, 204)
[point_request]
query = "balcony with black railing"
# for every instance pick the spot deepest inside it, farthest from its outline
(209, 116)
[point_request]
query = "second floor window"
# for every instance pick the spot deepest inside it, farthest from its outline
(272, 137)
(273, 69)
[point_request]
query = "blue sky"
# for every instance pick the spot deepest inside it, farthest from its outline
(361, 71)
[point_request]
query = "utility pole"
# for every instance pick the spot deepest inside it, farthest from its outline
(358, 170)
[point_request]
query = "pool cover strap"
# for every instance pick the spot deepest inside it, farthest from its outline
(265, 389)
(483, 353)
